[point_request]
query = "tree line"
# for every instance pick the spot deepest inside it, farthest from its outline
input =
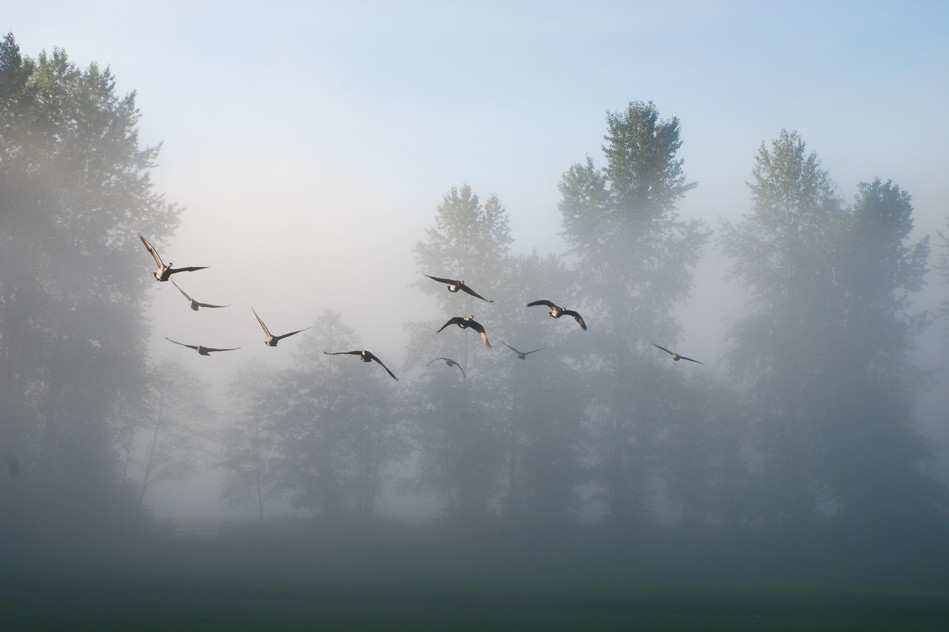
(815, 423)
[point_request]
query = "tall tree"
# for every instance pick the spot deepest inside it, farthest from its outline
(247, 442)
(873, 447)
(74, 191)
(634, 265)
(785, 254)
(458, 430)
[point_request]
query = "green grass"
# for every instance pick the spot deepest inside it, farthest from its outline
(248, 605)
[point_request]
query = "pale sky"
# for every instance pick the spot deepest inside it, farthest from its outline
(311, 142)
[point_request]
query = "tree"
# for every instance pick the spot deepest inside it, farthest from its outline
(74, 191)
(457, 429)
(634, 265)
(333, 424)
(785, 253)
(248, 442)
(177, 411)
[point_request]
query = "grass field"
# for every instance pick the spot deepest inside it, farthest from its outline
(222, 605)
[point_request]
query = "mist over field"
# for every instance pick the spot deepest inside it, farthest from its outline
(230, 383)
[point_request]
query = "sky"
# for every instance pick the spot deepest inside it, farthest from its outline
(311, 142)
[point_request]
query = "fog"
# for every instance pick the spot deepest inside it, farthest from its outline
(789, 241)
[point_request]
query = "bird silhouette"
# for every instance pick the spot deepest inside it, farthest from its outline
(164, 272)
(675, 356)
(194, 304)
(450, 362)
(556, 311)
(521, 355)
(365, 356)
(201, 349)
(454, 286)
(465, 322)
(269, 339)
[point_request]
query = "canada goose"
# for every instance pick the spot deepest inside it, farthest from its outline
(365, 356)
(194, 304)
(521, 355)
(468, 321)
(556, 312)
(202, 350)
(164, 272)
(454, 286)
(450, 362)
(675, 356)
(270, 339)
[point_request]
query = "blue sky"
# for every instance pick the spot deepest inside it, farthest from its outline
(311, 142)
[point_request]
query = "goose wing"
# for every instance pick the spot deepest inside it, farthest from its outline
(262, 325)
(290, 334)
(183, 293)
(663, 348)
(195, 347)
(577, 317)
(542, 302)
(342, 352)
(467, 289)
(534, 351)
(480, 329)
(451, 321)
(209, 305)
(441, 280)
(187, 269)
(682, 357)
(510, 347)
(211, 349)
(151, 249)
(373, 357)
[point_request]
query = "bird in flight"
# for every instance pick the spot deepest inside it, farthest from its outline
(164, 272)
(521, 355)
(194, 304)
(450, 362)
(269, 339)
(556, 312)
(201, 349)
(454, 286)
(468, 321)
(675, 356)
(365, 356)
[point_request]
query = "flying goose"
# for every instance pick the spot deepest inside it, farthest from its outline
(194, 304)
(164, 272)
(365, 356)
(556, 311)
(468, 321)
(454, 286)
(450, 362)
(675, 356)
(521, 355)
(202, 350)
(270, 339)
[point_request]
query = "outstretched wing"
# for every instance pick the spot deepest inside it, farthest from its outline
(210, 349)
(209, 305)
(195, 347)
(663, 348)
(543, 302)
(534, 351)
(441, 280)
(451, 321)
(183, 293)
(480, 329)
(509, 347)
(373, 356)
(342, 352)
(467, 289)
(188, 269)
(151, 249)
(682, 357)
(577, 317)
(289, 334)
(262, 325)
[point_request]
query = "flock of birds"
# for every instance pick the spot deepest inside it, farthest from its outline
(164, 272)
